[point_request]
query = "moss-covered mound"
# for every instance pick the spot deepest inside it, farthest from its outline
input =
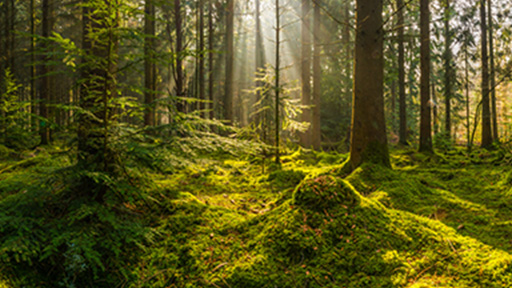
(329, 235)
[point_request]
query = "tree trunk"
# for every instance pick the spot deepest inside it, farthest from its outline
(317, 78)
(486, 112)
(210, 58)
(180, 92)
(44, 111)
(447, 70)
(425, 114)
(495, 134)
(402, 133)
(277, 86)
(369, 142)
(149, 63)
(466, 83)
(33, 60)
(230, 59)
(202, 87)
(305, 138)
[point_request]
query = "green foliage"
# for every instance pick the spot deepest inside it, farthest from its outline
(14, 124)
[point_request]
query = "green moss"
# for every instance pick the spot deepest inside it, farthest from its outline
(324, 192)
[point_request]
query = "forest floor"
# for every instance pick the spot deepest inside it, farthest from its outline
(443, 220)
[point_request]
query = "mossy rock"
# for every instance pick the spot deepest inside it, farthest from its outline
(325, 192)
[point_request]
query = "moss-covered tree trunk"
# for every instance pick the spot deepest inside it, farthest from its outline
(425, 113)
(368, 142)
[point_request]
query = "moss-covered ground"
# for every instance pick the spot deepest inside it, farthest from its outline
(443, 220)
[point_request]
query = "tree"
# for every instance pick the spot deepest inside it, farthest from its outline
(46, 92)
(402, 134)
(180, 78)
(425, 113)
(149, 63)
(492, 75)
(210, 57)
(486, 112)
(202, 87)
(100, 19)
(305, 137)
(447, 69)
(368, 142)
(230, 58)
(317, 78)
(277, 85)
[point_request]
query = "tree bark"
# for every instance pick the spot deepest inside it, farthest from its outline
(495, 134)
(305, 138)
(44, 111)
(368, 142)
(202, 87)
(317, 78)
(210, 58)
(180, 92)
(447, 70)
(33, 70)
(149, 63)
(277, 84)
(425, 114)
(402, 133)
(486, 112)
(230, 59)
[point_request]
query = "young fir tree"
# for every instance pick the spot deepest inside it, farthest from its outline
(98, 79)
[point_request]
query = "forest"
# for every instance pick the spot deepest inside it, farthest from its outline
(255, 143)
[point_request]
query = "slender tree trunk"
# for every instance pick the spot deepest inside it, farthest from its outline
(230, 59)
(402, 131)
(149, 63)
(210, 58)
(495, 134)
(12, 43)
(7, 37)
(33, 59)
(447, 70)
(305, 138)
(349, 55)
(369, 142)
(466, 83)
(317, 78)
(44, 131)
(434, 107)
(277, 87)
(425, 114)
(180, 92)
(486, 112)
(202, 86)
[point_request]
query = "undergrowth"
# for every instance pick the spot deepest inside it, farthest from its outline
(440, 220)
